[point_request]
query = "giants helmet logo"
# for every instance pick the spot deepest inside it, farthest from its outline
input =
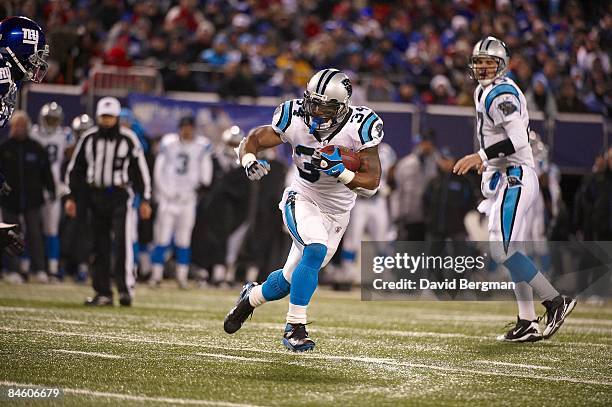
(30, 36)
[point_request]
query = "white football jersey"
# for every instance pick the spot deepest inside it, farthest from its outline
(181, 167)
(55, 143)
(360, 129)
(496, 104)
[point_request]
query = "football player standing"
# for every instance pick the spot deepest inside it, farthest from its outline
(510, 184)
(184, 163)
(316, 206)
(56, 139)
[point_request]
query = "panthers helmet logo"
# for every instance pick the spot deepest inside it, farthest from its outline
(347, 85)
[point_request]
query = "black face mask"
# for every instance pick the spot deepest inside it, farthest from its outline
(108, 132)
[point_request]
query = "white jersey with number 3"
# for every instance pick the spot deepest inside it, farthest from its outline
(181, 167)
(55, 143)
(360, 129)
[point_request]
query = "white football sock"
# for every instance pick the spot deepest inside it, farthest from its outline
(543, 288)
(296, 314)
(53, 266)
(182, 271)
(157, 273)
(218, 274)
(524, 300)
(256, 297)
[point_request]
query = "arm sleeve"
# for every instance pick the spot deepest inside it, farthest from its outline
(77, 169)
(139, 172)
(281, 120)
(158, 173)
(370, 131)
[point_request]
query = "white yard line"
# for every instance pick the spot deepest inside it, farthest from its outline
(231, 357)
(368, 360)
(96, 354)
(493, 362)
(121, 396)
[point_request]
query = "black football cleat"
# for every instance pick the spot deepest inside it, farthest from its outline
(557, 310)
(242, 310)
(296, 338)
(99, 300)
(523, 331)
(125, 300)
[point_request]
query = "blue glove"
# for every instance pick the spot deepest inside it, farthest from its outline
(331, 164)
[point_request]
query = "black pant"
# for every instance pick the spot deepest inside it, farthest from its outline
(32, 228)
(110, 213)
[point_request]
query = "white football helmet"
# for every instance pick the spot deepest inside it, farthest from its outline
(488, 48)
(326, 99)
(51, 116)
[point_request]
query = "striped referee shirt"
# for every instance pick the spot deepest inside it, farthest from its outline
(104, 161)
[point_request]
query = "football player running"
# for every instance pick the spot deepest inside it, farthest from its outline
(56, 139)
(510, 184)
(316, 206)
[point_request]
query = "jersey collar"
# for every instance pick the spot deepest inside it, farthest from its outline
(338, 128)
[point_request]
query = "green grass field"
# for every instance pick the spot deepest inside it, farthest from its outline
(170, 348)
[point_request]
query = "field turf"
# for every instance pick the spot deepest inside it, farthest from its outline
(170, 348)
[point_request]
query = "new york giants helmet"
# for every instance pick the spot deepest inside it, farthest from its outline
(488, 48)
(23, 44)
(326, 99)
(8, 93)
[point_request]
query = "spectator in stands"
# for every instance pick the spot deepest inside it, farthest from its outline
(599, 100)
(410, 177)
(568, 100)
(238, 81)
(379, 89)
(442, 92)
(593, 205)
(539, 97)
(25, 164)
(181, 79)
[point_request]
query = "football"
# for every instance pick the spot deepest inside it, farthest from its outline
(349, 157)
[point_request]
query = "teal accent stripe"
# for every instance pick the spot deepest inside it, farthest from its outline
(283, 123)
(290, 219)
(366, 129)
(510, 203)
(501, 89)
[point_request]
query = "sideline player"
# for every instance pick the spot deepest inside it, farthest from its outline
(316, 206)
(184, 163)
(510, 184)
(55, 138)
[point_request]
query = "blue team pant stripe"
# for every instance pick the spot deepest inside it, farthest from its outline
(512, 196)
(290, 218)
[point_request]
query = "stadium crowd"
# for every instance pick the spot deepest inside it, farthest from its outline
(403, 51)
